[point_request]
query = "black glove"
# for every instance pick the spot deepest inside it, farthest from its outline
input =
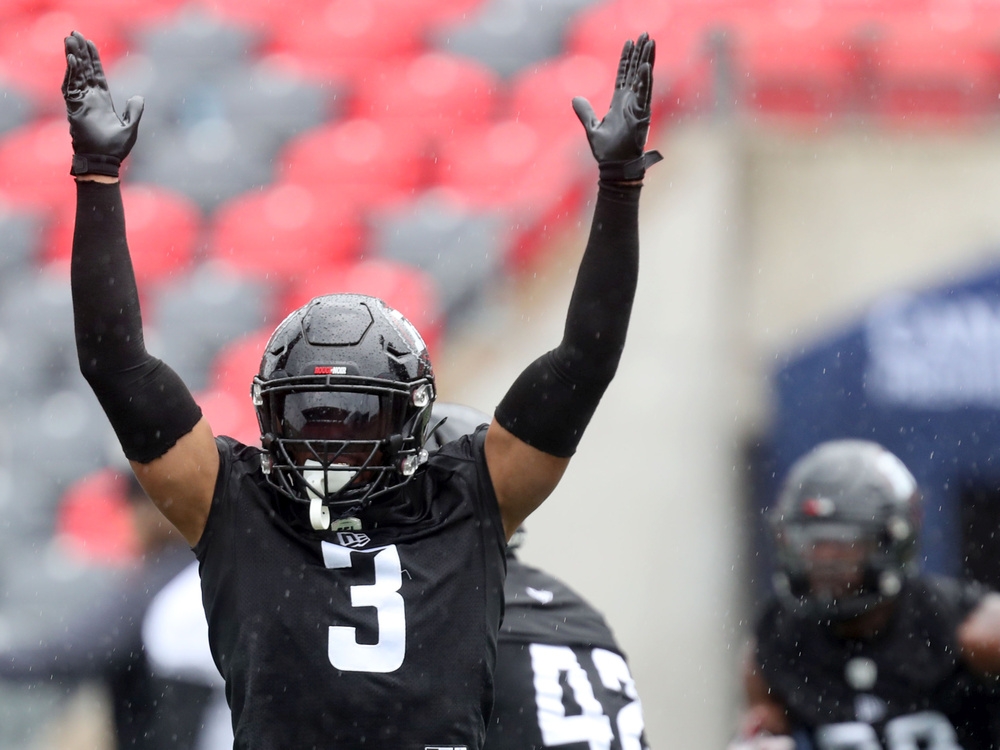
(101, 139)
(618, 140)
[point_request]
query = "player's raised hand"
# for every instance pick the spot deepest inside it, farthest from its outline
(618, 140)
(101, 139)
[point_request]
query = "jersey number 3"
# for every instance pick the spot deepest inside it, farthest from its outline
(343, 648)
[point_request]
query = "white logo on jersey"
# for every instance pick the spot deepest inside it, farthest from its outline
(352, 539)
(540, 595)
(445, 747)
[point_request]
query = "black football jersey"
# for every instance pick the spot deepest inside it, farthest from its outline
(561, 680)
(903, 689)
(381, 638)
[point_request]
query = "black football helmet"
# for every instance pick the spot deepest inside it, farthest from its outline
(343, 398)
(852, 493)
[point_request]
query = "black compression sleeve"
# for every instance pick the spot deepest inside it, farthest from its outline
(148, 405)
(552, 401)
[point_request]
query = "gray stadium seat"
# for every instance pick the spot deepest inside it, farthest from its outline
(16, 108)
(508, 35)
(196, 316)
(462, 251)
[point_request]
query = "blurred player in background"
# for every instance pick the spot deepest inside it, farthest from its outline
(857, 648)
(346, 575)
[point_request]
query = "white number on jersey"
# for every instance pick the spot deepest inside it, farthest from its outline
(591, 725)
(386, 655)
(927, 730)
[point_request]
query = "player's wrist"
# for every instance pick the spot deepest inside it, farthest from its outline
(102, 178)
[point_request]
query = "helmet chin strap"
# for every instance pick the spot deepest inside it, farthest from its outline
(320, 482)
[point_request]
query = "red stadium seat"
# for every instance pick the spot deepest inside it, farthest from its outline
(230, 414)
(361, 160)
(812, 71)
(94, 521)
(531, 176)
(542, 96)
(34, 165)
(235, 365)
(434, 93)
(32, 54)
(284, 232)
(921, 71)
(163, 232)
(403, 287)
(345, 37)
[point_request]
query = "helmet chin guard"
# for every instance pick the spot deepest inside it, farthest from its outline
(343, 399)
(861, 505)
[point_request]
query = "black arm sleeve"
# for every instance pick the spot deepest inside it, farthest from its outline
(553, 400)
(148, 405)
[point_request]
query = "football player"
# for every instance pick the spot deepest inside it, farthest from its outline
(353, 587)
(858, 648)
(561, 679)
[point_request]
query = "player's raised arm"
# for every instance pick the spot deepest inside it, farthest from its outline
(539, 422)
(170, 446)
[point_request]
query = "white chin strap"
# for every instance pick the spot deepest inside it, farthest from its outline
(321, 481)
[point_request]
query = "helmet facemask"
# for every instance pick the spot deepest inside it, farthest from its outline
(835, 571)
(339, 445)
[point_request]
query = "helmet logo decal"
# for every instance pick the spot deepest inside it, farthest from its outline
(818, 507)
(406, 329)
(329, 370)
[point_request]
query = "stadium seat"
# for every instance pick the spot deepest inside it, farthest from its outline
(94, 522)
(210, 161)
(812, 72)
(196, 315)
(404, 287)
(21, 236)
(508, 35)
(36, 336)
(360, 160)
(230, 415)
(163, 226)
(34, 165)
(512, 167)
(461, 250)
(273, 103)
(16, 107)
(343, 38)
(543, 96)
(284, 232)
(434, 93)
(921, 71)
(238, 361)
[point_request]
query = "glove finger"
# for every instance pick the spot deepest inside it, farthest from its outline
(84, 56)
(75, 81)
(643, 89)
(623, 62)
(585, 113)
(100, 79)
(133, 110)
(633, 61)
(648, 52)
